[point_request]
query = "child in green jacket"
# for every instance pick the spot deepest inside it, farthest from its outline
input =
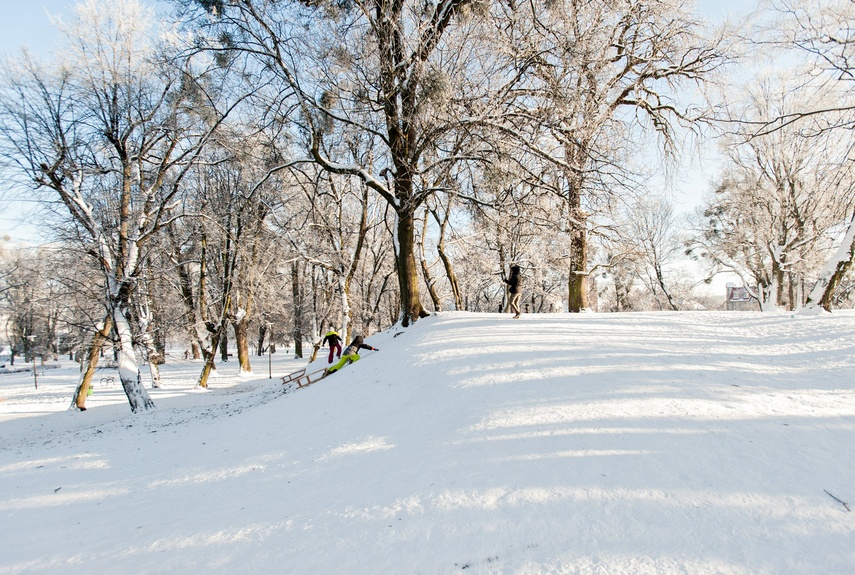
(350, 354)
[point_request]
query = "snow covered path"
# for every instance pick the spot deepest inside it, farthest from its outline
(689, 442)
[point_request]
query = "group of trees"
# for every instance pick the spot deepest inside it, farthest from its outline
(783, 213)
(267, 169)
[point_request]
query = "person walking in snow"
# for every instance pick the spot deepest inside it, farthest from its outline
(514, 282)
(351, 354)
(335, 343)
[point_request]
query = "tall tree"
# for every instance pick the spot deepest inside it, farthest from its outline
(783, 196)
(110, 133)
(652, 228)
(589, 74)
(821, 31)
(378, 65)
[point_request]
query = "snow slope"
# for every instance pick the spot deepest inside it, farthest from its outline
(695, 442)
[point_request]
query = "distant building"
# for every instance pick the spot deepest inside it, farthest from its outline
(739, 298)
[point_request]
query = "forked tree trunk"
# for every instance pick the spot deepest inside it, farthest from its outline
(217, 333)
(209, 357)
(129, 372)
(241, 324)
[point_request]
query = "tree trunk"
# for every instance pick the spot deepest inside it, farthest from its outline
(446, 262)
(217, 332)
(770, 295)
(429, 281)
(778, 274)
(209, 358)
(577, 154)
(431, 285)
(792, 291)
(347, 310)
(246, 290)
(129, 372)
(201, 327)
(186, 289)
(224, 344)
(152, 357)
(452, 279)
(315, 348)
(145, 321)
(241, 329)
(660, 279)
(829, 279)
(505, 306)
(95, 346)
(53, 319)
(297, 296)
(408, 276)
(577, 296)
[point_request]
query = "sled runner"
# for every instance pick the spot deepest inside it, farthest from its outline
(302, 379)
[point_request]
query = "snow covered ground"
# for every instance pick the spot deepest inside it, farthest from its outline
(696, 442)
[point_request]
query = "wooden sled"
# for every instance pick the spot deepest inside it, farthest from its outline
(302, 379)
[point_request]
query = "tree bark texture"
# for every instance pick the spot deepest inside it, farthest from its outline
(241, 329)
(822, 293)
(129, 372)
(95, 346)
(408, 275)
(297, 295)
(577, 281)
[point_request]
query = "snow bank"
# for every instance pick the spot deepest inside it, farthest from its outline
(693, 442)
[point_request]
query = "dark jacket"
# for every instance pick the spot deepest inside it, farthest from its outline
(356, 345)
(515, 280)
(333, 338)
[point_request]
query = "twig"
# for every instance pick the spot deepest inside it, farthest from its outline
(838, 500)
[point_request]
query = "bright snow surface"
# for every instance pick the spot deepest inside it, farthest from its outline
(696, 442)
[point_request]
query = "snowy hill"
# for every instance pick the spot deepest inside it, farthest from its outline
(621, 443)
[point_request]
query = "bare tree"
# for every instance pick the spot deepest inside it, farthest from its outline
(109, 133)
(652, 225)
(340, 211)
(379, 66)
(782, 199)
(589, 74)
(232, 217)
(821, 31)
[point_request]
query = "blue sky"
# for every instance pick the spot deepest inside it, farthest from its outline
(24, 23)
